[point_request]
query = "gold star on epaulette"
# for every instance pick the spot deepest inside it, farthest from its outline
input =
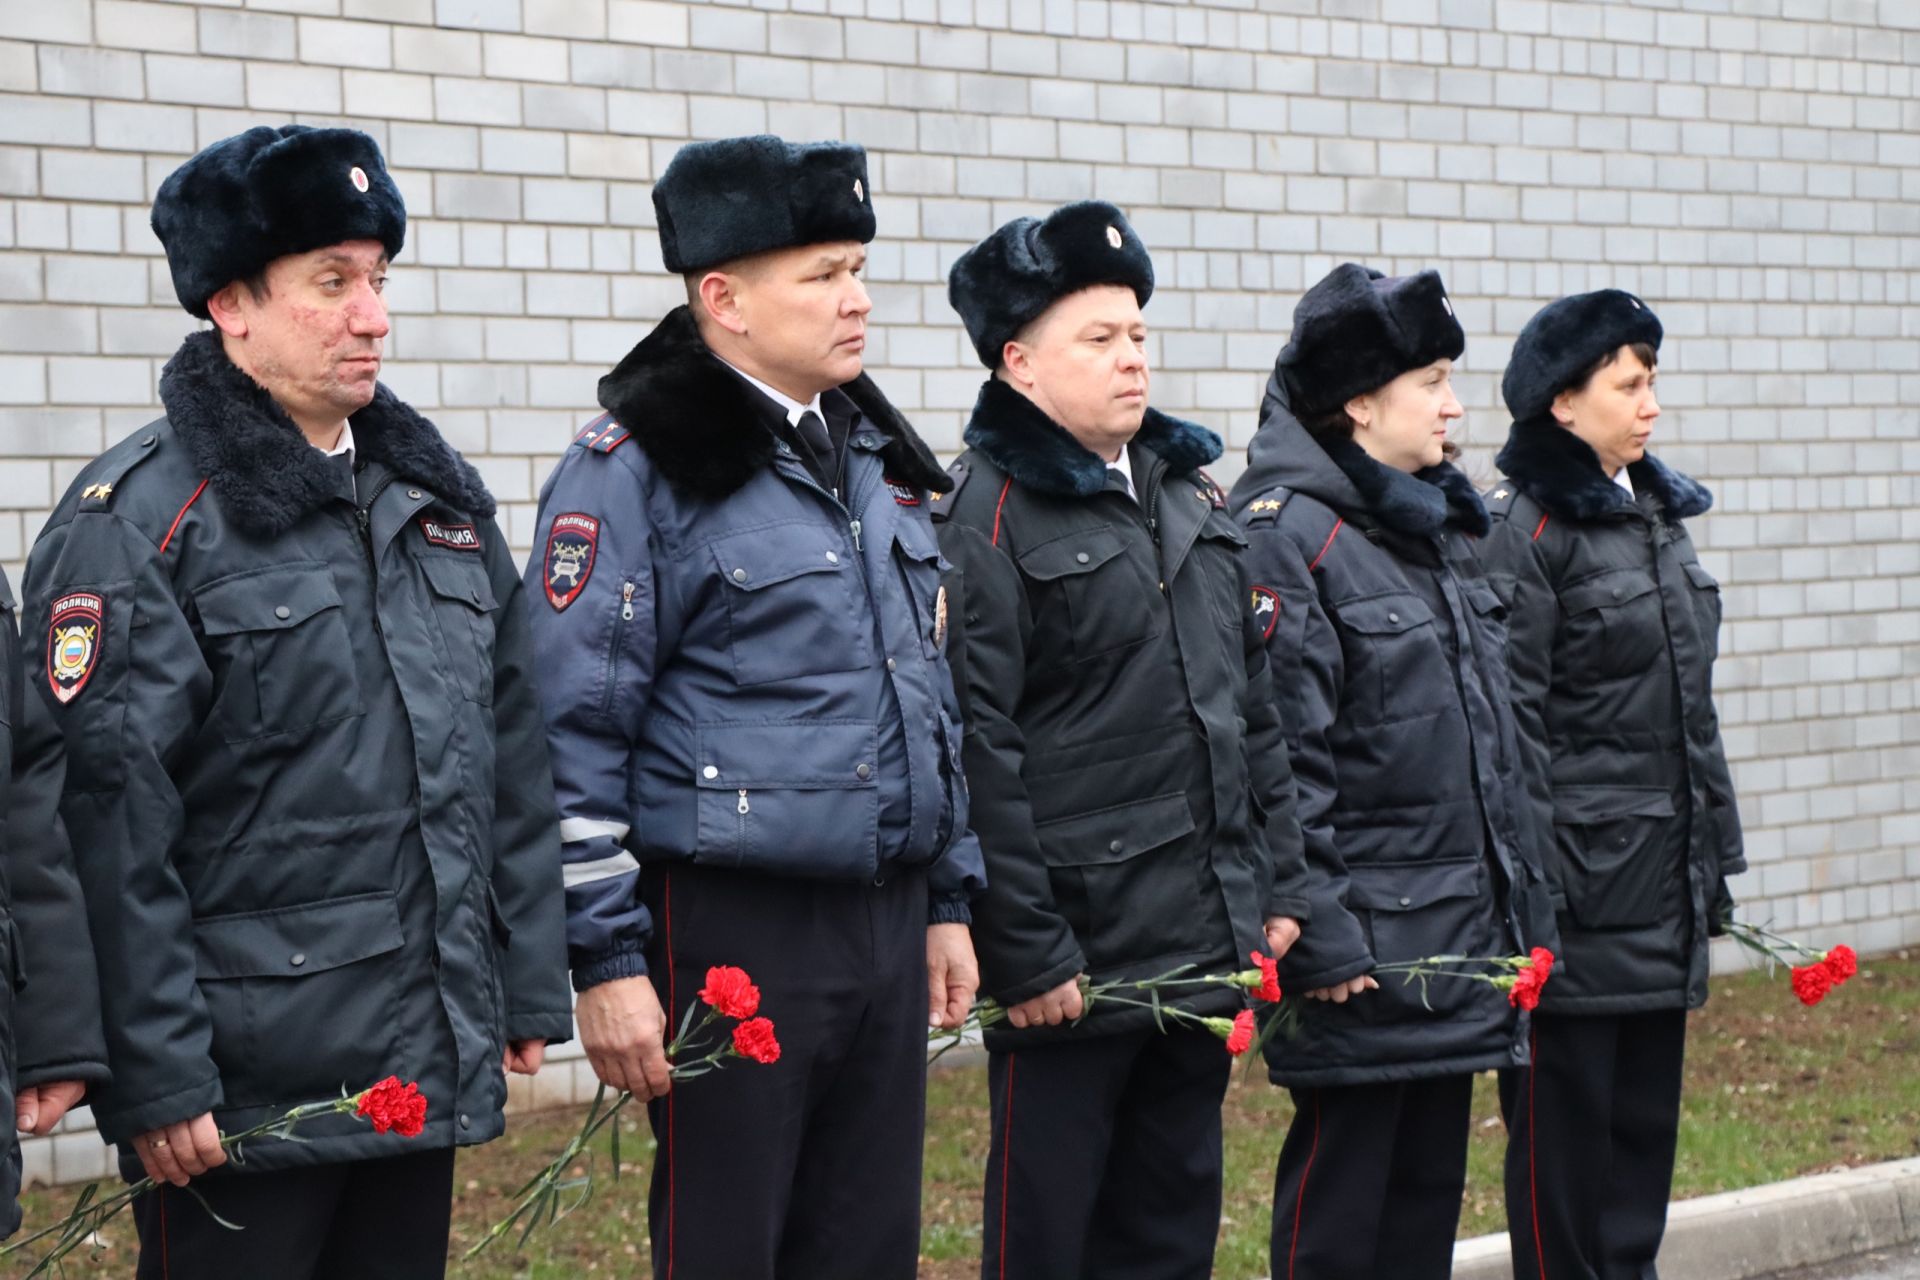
(100, 491)
(1265, 504)
(1499, 493)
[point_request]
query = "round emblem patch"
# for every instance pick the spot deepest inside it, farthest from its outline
(359, 177)
(1114, 237)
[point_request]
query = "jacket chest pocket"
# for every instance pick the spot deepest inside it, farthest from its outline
(1613, 627)
(281, 650)
(793, 606)
(1092, 598)
(464, 610)
(1395, 667)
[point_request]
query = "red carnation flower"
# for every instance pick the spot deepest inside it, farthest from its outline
(754, 1039)
(1269, 978)
(393, 1106)
(1242, 1038)
(1525, 992)
(1841, 963)
(731, 991)
(1812, 982)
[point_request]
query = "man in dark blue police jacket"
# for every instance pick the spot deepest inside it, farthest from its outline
(755, 738)
(306, 771)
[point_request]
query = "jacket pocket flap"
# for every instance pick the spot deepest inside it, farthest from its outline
(291, 942)
(916, 542)
(1409, 886)
(1115, 834)
(812, 756)
(1699, 577)
(462, 580)
(1485, 600)
(763, 557)
(1616, 587)
(1080, 552)
(268, 600)
(1589, 806)
(1384, 615)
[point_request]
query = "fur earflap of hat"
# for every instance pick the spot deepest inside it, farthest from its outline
(267, 193)
(733, 197)
(1007, 280)
(1568, 337)
(1358, 330)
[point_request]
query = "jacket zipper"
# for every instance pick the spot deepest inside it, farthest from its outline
(613, 649)
(363, 516)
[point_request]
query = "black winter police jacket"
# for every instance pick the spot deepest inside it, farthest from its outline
(1389, 650)
(1615, 629)
(49, 991)
(307, 782)
(1130, 787)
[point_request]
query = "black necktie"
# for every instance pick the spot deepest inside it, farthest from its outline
(823, 463)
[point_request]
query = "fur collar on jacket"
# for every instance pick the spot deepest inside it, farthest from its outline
(266, 475)
(1562, 473)
(704, 427)
(1018, 437)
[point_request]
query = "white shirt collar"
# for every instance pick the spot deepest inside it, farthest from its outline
(342, 446)
(1624, 480)
(793, 407)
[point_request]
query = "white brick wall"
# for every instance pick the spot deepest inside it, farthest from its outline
(1751, 166)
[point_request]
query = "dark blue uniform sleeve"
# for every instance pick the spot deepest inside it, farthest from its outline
(591, 591)
(145, 692)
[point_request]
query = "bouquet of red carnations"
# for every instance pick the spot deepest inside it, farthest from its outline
(1815, 973)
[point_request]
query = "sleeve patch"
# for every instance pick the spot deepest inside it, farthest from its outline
(1266, 610)
(573, 543)
(74, 636)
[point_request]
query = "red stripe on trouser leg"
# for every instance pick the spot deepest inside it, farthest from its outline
(1300, 1201)
(666, 907)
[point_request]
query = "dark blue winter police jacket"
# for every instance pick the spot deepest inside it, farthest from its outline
(739, 669)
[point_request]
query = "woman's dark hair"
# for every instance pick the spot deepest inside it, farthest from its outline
(1648, 354)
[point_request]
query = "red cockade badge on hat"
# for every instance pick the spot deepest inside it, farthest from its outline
(73, 642)
(571, 546)
(358, 177)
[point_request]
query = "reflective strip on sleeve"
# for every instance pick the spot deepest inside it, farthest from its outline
(574, 874)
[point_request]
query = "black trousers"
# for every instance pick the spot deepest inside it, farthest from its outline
(1105, 1159)
(1591, 1127)
(808, 1169)
(1369, 1181)
(383, 1219)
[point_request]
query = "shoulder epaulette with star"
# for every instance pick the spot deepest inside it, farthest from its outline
(1266, 510)
(106, 474)
(940, 505)
(1500, 501)
(603, 435)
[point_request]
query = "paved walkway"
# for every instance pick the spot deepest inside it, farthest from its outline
(1883, 1264)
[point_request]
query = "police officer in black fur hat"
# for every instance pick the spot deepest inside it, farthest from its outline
(755, 738)
(1615, 626)
(306, 778)
(1130, 781)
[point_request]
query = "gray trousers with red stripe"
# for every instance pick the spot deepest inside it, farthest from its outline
(1369, 1181)
(1105, 1158)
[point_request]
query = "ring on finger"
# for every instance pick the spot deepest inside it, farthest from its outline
(158, 1144)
